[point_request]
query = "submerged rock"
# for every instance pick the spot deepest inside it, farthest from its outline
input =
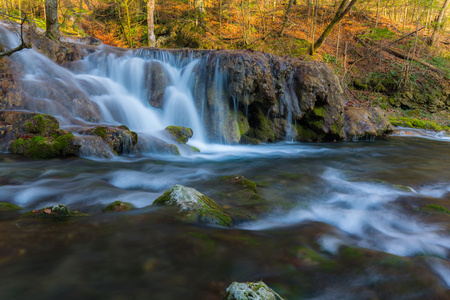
(118, 206)
(366, 122)
(6, 207)
(55, 211)
(194, 206)
(179, 133)
(251, 291)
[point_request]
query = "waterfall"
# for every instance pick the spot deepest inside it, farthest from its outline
(146, 91)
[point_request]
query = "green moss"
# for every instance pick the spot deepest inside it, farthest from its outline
(194, 206)
(5, 206)
(56, 211)
(195, 149)
(351, 253)
(436, 208)
(179, 133)
(319, 112)
(241, 181)
(310, 255)
(41, 124)
(42, 147)
(100, 132)
(416, 123)
(118, 206)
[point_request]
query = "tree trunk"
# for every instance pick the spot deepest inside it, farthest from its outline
(51, 19)
(151, 23)
(438, 23)
(343, 9)
(286, 17)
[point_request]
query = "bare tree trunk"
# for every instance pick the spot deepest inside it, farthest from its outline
(438, 23)
(313, 50)
(51, 19)
(286, 17)
(151, 23)
(343, 9)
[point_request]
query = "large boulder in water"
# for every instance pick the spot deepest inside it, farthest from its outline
(366, 122)
(194, 206)
(251, 291)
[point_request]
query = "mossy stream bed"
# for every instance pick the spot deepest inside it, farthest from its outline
(362, 220)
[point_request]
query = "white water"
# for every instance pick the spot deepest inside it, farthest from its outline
(363, 212)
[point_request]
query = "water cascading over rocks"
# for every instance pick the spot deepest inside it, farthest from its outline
(224, 96)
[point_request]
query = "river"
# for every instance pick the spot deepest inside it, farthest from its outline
(345, 221)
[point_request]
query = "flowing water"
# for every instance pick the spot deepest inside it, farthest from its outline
(342, 220)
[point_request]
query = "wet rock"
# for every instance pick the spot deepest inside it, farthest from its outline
(366, 122)
(179, 134)
(119, 138)
(151, 144)
(56, 211)
(35, 135)
(157, 82)
(93, 146)
(238, 196)
(118, 206)
(251, 291)
(194, 206)
(6, 207)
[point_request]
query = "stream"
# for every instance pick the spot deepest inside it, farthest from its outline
(345, 222)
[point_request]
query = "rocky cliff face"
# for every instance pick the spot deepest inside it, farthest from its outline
(253, 97)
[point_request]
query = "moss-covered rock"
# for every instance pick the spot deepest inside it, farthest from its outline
(52, 212)
(194, 206)
(121, 139)
(241, 181)
(118, 206)
(56, 211)
(179, 134)
(434, 208)
(5, 206)
(251, 291)
(365, 122)
(417, 123)
(45, 147)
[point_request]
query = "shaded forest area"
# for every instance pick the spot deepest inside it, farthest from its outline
(387, 53)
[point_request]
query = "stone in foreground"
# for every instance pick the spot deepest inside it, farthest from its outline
(194, 206)
(251, 291)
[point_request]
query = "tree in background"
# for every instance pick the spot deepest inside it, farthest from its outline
(151, 23)
(343, 9)
(438, 22)
(51, 19)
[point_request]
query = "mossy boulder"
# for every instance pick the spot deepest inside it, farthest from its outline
(121, 139)
(6, 207)
(118, 206)
(434, 208)
(366, 122)
(46, 147)
(35, 135)
(179, 134)
(251, 291)
(194, 206)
